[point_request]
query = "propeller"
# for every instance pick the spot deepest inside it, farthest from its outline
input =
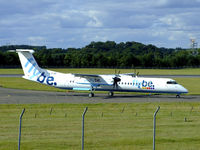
(137, 74)
(116, 79)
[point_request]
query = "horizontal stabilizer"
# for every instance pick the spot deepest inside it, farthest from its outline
(22, 50)
(25, 50)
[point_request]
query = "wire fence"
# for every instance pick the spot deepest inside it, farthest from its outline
(99, 126)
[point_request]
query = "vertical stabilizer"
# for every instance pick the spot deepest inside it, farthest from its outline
(29, 65)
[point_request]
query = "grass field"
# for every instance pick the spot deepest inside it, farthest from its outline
(20, 83)
(189, 71)
(107, 127)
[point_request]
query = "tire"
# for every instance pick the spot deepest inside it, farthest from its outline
(91, 95)
(110, 93)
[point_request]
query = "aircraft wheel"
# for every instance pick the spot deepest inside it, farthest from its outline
(110, 93)
(178, 96)
(91, 95)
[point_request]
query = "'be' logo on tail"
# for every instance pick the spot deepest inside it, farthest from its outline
(49, 80)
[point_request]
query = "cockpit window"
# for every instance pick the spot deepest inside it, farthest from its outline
(172, 82)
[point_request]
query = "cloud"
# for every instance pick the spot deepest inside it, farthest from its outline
(178, 3)
(75, 23)
(78, 19)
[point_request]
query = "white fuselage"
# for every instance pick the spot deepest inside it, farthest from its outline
(121, 82)
(105, 83)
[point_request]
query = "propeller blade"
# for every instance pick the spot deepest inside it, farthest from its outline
(115, 81)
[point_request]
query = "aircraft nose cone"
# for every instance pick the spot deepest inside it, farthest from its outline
(181, 89)
(184, 90)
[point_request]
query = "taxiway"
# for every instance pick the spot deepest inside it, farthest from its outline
(16, 96)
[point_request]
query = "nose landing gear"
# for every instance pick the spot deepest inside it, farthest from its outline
(178, 96)
(91, 94)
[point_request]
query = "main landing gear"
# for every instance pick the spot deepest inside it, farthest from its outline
(110, 93)
(178, 96)
(91, 95)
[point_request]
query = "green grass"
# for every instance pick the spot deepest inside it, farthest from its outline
(21, 83)
(11, 71)
(192, 84)
(106, 127)
(190, 71)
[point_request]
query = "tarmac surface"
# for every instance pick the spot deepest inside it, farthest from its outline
(16, 96)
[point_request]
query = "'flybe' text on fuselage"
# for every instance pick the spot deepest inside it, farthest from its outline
(147, 85)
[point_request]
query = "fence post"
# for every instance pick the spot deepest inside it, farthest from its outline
(20, 126)
(83, 118)
(154, 127)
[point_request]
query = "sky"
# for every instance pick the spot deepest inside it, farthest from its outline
(76, 23)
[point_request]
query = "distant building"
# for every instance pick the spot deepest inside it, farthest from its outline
(194, 46)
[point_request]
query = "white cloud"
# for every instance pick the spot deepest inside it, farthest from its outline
(177, 3)
(94, 21)
(75, 23)
(36, 38)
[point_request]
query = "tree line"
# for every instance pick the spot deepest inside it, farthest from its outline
(105, 55)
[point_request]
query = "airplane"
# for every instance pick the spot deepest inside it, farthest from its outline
(128, 82)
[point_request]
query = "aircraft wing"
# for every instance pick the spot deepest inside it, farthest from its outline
(95, 80)
(87, 75)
